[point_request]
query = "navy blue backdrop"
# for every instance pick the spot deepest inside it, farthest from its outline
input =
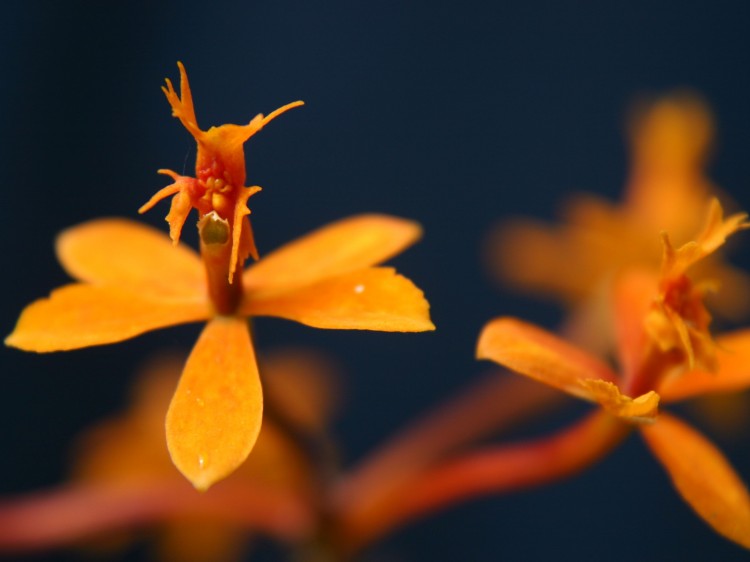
(455, 115)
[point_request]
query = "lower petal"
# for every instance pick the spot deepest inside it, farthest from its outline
(703, 476)
(216, 412)
(81, 315)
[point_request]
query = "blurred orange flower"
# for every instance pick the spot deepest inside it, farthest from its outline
(132, 280)
(667, 354)
(577, 260)
(275, 492)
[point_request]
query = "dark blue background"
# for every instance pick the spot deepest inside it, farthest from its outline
(455, 115)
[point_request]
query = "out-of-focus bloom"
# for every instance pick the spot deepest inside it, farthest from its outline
(131, 279)
(577, 260)
(126, 454)
(666, 354)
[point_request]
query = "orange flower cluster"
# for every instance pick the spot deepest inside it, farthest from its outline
(638, 286)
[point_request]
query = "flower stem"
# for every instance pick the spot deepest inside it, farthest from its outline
(491, 470)
(216, 251)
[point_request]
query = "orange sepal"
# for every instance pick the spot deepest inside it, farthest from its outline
(703, 476)
(216, 412)
(374, 298)
(132, 256)
(340, 247)
(733, 373)
(81, 315)
(541, 355)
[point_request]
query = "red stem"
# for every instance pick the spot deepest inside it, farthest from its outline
(466, 419)
(69, 514)
(492, 470)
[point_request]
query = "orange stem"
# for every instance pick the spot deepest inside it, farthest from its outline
(69, 514)
(471, 416)
(492, 470)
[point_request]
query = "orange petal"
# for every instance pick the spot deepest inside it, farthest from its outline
(81, 315)
(703, 476)
(132, 256)
(215, 415)
(733, 374)
(375, 298)
(541, 355)
(340, 247)
(633, 296)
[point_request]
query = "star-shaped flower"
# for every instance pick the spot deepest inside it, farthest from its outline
(132, 279)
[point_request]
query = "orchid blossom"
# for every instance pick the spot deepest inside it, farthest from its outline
(132, 279)
(576, 261)
(666, 354)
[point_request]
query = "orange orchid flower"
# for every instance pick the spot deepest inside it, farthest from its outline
(667, 355)
(667, 191)
(132, 279)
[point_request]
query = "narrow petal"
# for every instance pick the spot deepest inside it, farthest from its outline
(703, 476)
(340, 247)
(375, 298)
(81, 315)
(541, 355)
(215, 415)
(733, 374)
(130, 255)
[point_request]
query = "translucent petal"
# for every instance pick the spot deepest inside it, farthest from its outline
(703, 476)
(132, 256)
(340, 247)
(367, 299)
(541, 355)
(216, 412)
(82, 315)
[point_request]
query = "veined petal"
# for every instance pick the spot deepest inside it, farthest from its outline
(216, 412)
(541, 355)
(375, 298)
(131, 256)
(703, 476)
(347, 245)
(733, 374)
(81, 315)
